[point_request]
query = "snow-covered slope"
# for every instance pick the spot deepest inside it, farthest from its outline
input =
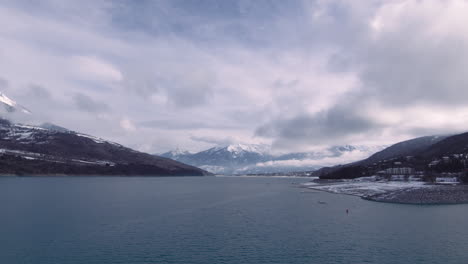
(176, 154)
(34, 150)
(12, 106)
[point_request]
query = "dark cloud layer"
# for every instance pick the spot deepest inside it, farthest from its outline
(208, 21)
(324, 127)
(176, 124)
(88, 104)
(214, 140)
(404, 58)
(39, 92)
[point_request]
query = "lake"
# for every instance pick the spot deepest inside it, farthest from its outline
(216, 220)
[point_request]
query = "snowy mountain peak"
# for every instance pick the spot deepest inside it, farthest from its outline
(178, 152)
(237, 148)
(12, 106)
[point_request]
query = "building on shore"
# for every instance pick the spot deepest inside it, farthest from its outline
(399, 171)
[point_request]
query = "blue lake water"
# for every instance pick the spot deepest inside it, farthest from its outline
(216, 220)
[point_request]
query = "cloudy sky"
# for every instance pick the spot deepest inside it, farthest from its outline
(156, 75)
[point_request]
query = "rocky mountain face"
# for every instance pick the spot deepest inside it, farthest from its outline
(258, 159)
(50, 149)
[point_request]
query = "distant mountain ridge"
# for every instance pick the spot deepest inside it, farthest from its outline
(257, 159)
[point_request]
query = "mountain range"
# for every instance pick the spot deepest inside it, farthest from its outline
(50, 149)
(259, 159)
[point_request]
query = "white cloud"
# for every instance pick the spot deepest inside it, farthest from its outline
(345, 158)
(127, 125)
(93, 68)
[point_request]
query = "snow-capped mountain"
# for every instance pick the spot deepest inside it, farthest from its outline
(225, 159)
(50, 149)
(246, 158)
(12, 106)
(176, 154)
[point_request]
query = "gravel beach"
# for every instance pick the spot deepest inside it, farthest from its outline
(435, 194)
(395, 191)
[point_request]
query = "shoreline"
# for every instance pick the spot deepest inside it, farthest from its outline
(434, 195)
(398, 192)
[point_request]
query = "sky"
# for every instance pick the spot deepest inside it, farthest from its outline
(192, 74)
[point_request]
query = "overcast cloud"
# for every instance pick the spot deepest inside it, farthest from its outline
(156, 75)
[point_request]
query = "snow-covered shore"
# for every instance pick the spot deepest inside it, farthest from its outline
(410, 192)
